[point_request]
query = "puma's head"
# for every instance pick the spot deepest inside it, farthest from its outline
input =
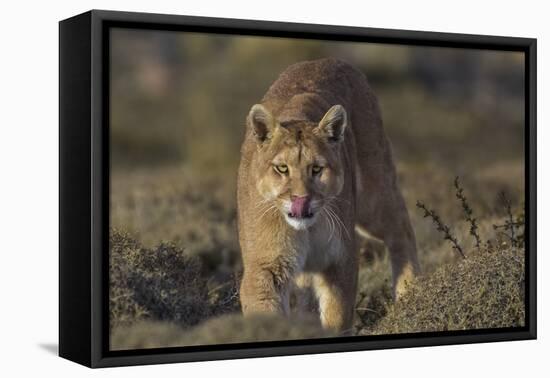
(299, 170)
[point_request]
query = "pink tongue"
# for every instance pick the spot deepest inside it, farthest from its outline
(300, 206)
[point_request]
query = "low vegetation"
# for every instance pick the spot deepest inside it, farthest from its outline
(176, 293)
(160, 284)
(224, 329)
(485, 290)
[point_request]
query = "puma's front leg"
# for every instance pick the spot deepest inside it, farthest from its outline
(336, 289)
(265, 287)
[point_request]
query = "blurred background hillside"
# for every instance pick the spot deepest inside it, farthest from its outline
(179, 96)
(178, 107)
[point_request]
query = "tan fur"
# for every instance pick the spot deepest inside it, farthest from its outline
(298, 124)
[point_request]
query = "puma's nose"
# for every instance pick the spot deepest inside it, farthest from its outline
(300, 207)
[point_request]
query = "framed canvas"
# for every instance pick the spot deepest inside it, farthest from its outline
(234, 188)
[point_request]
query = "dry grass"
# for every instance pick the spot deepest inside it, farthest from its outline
(161, 284)
(485, 290)
(172, 292)
(221, 330)
(148, 284)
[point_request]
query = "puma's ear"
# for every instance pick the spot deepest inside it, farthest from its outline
(261, 122)
(333, 124)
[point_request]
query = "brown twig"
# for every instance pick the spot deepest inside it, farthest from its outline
(468, 212)
(441, 227)
(510, 224)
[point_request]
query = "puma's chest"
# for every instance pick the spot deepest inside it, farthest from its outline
(318, 251)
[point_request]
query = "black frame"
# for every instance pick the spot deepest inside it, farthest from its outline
(84, 187)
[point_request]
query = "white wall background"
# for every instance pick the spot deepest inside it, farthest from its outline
(29, 186)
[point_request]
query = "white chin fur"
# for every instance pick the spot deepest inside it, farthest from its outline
(300, 223)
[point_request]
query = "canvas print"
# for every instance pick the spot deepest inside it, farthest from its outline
(267, 189)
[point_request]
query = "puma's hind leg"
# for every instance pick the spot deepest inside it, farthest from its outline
(382, 213)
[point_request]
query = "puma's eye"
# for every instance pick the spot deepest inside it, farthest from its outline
(316, 169)
(281, 168)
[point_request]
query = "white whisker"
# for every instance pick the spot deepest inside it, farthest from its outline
(259, 204)
(267, 211)
(329, 207)
(330, 223)
(335, 223)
